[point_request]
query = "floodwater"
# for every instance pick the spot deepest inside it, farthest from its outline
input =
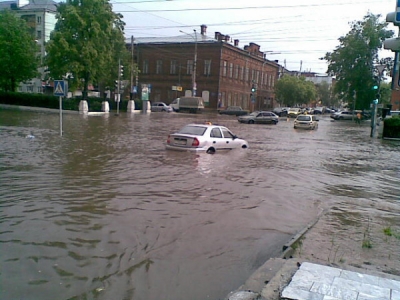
(105, 212)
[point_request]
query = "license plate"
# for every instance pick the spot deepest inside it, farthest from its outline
(180, 142)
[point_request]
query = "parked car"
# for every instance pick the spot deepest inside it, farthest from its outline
(261, 117)
(160, 106)
(319, 110)
(293, 112)
(234, 111)
(343, 115)
(280, 111)
(204, 137)
(305, 122)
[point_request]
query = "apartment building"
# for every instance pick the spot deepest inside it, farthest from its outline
(215, 68)
(40, 15)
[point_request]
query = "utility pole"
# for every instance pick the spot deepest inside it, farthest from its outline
(195, 64)
(132, 68)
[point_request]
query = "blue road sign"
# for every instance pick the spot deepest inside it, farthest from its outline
(397, 13)
(59, 88)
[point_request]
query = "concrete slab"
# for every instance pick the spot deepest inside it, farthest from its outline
(313, 281)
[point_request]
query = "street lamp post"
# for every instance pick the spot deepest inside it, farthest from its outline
(194, 85)
(380, 69)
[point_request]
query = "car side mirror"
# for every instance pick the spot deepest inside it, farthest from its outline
(234, 137)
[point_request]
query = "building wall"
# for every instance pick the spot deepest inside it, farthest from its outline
(226, 80)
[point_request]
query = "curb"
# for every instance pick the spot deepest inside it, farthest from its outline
(269, 280)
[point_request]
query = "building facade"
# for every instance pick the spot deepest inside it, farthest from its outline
(216, 69)
(40, 16)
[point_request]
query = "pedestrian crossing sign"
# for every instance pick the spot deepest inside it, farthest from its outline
(60, 88)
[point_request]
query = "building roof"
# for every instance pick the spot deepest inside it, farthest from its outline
(40, 5)
(48, 5)
(186, 38)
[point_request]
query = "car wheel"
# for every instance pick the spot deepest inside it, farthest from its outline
(251, 121)
(341, 118)
(274, 122)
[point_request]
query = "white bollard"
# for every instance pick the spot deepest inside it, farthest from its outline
(105, 106)
(83, 107)
(131, 106)
(148, 106)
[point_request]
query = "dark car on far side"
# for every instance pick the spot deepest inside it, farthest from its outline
(233, 111)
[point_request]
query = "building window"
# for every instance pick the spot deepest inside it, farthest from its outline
(224, 68)
(258, 77)
(145, 68)
(207, 67)
(230, 70)
(189, 68)
(172, 69)
(241, 72)
(236, 72)
(39, 34)
(246, 74)
(159, 67)
(39, 20)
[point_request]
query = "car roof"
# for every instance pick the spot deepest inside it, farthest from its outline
(207, 124)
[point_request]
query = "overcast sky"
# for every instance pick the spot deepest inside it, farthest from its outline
(295, 32)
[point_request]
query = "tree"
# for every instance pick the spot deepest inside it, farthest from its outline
(324, 94)
(353, 61)
(18, 48)
(86, 44)
(294, 91)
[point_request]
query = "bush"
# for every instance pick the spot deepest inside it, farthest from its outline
(391, 127)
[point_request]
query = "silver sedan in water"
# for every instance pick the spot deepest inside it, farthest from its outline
(204, 137)
(260, 117)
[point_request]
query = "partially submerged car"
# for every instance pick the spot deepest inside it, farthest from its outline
(204, 137)
(233, 111)
(260, 117)
(305, 122)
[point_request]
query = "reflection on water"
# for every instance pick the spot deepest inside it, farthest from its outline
(104, 212)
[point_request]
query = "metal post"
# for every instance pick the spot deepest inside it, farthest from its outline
(132, 68)
(61, 126)
(194, 64)
(380, 69)
(118, 84)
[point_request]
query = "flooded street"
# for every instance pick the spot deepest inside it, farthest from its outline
(105, 212)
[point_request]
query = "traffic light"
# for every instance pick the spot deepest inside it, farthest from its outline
(121, 71)
(116, 84)
(393, 43)
(253, 88)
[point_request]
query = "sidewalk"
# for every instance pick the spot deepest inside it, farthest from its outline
(285, 277)
(290, 279)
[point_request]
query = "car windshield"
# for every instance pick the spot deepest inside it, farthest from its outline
(303, 118)
(193, 130)
(254, 113)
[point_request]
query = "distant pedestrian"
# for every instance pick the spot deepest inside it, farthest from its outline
(358, 119)
(219, 104)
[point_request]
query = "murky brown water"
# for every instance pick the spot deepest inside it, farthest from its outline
(105, 212)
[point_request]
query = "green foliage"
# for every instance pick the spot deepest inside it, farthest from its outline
(294, 91)
(87, 43)
(18, 50)
(324, 95)
(37, 100)
(391, 128)
(354, 61)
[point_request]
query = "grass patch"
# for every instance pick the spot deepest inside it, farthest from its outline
(388, 231)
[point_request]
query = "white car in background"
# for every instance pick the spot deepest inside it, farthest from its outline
(305, 122)
(160, 106)
(204, 137)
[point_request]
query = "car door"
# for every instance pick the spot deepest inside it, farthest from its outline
(216, 138)
(259, 118)
(228, 141)
(267, 117)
